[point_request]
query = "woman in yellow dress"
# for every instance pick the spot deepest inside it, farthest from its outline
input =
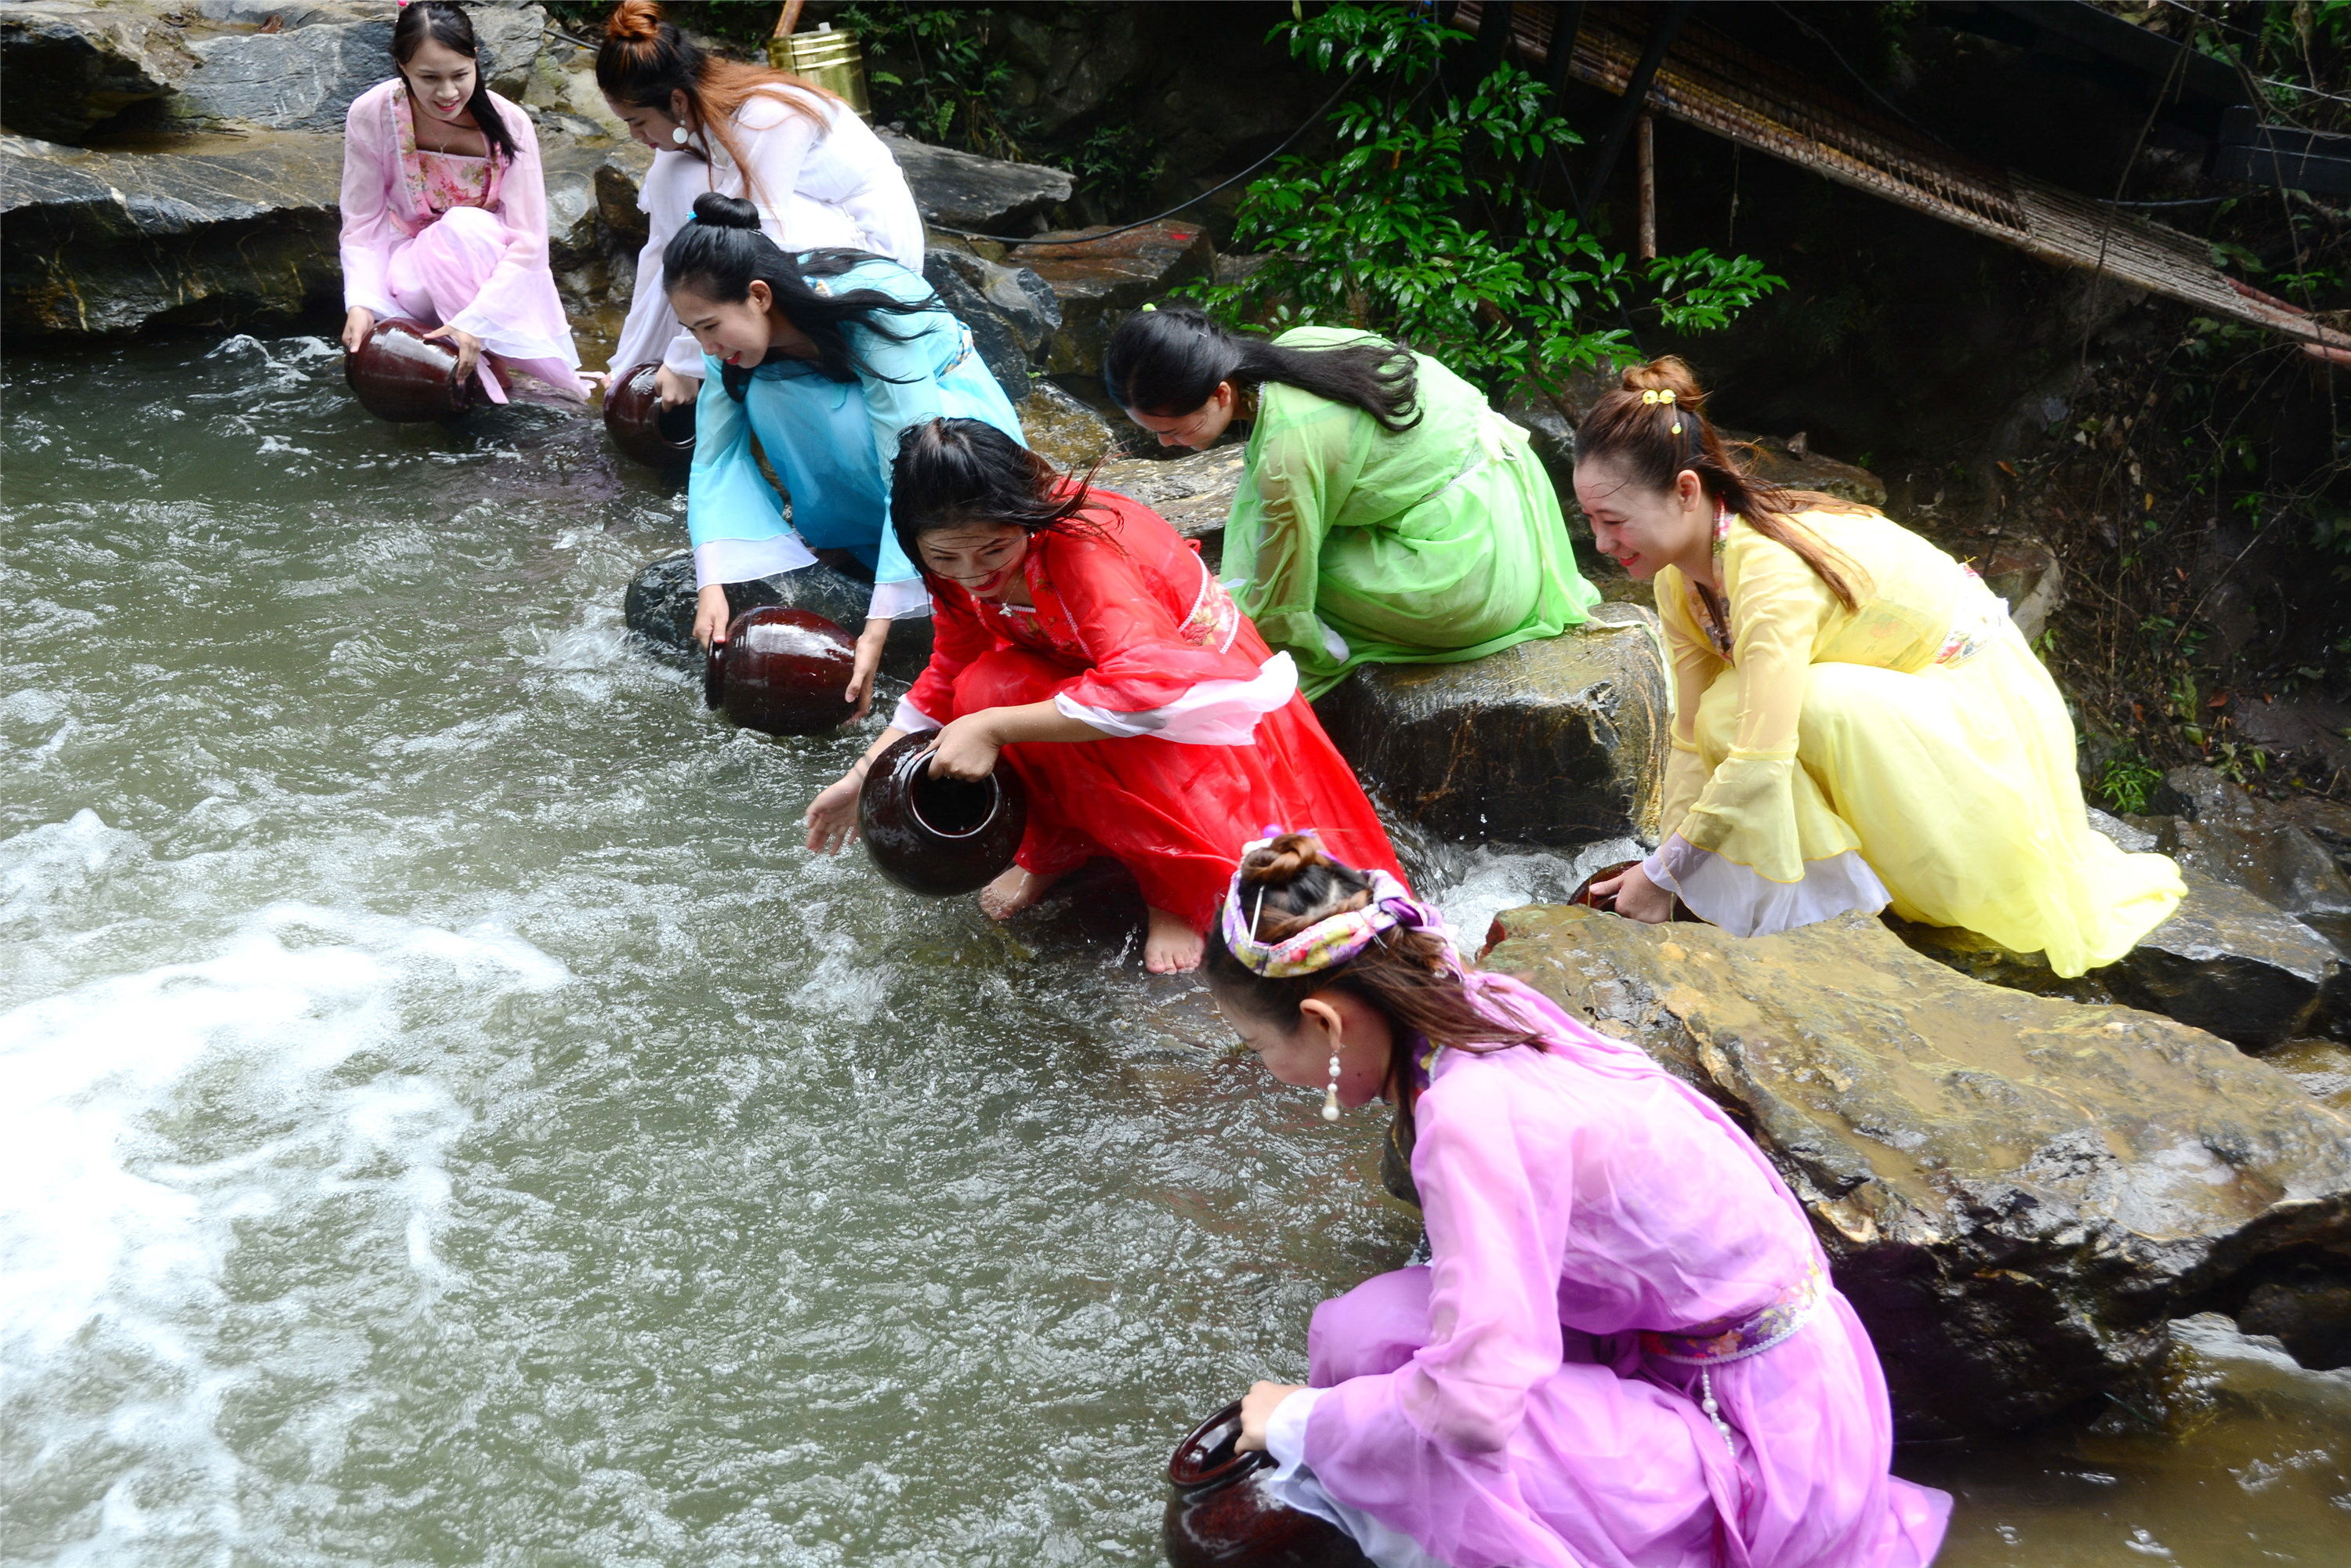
(1857, 721)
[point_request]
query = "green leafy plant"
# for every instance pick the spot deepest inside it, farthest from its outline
(1427, 221)
(2128, 783)
(935, 67)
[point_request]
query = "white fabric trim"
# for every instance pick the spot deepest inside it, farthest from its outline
(1297, 1487)
(1213, 713)
(684, 355)
(1746, 903)
(1333, 643)
(741, 561)
(907, 600)
(911, 719)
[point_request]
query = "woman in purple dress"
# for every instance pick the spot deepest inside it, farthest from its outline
(1625, 1350)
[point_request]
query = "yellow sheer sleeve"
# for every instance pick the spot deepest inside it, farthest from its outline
(1749, 811)
(1696, 667)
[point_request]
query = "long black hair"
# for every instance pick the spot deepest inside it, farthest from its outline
(722, 252)
(448, 25)
(953, 472)
(1166, 361)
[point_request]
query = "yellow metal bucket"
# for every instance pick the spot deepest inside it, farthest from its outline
(830, 58)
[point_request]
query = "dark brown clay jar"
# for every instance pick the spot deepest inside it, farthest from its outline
(1585, 897)
(1222, 1517)
(782, 671)
(399, 375)
(653, 435)
(934, 835)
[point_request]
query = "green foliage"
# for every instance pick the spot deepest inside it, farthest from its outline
(2128, 783)
(933, 67)
(1427, 221)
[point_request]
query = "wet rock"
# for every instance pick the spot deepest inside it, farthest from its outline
(1009, 309)
(1557, 741)
(1098, 281)
(1792, 465)
(216, 230)
(67, 69)
(298, 78)
(1194, 493)
(1063, 430)
(620, 178)
(2308, 1312)
(2225, 961)
(2323, 1068)
(988, 195)
(2235, 836)
(2016, 1192)
(2328, 821)
(659, 608)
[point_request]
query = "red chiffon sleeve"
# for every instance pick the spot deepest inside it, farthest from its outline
(1128, 590)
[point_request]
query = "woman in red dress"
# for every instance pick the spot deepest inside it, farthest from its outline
(1078, 633)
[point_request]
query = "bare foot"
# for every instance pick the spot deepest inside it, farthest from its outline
(1013, 892)
(1170, 946)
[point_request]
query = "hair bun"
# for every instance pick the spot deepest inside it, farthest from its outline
(1669, 373)
(635, 22)
(721, 211)
(1279, 862)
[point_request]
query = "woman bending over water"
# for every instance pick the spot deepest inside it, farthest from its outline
(444, 211)
(1078, 635)
(818, 176)
(1386, 514)
(826, 357)
(1857, 723)
(1625, 1349)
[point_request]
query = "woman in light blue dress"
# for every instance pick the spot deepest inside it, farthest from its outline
(824, 357)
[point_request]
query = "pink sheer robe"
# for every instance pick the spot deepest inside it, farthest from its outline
(481, 269)
(1496, 1406)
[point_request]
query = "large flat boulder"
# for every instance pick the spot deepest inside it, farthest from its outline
(1560, 741)
(1009, 309)
(986, 195)
(1063, 430)
(215, 229)
(1194, 492)
(1100, 275)
(2016, 1192)
(296, 65)
(67, 67)
(2226, 961)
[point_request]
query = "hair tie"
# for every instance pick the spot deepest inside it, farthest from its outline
(1330, 941)
(1148, 305)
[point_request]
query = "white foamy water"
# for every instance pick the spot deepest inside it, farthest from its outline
(295, 1040)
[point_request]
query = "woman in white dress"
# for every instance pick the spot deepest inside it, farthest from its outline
(817, 172)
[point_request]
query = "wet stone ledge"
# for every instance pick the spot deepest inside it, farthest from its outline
(2016, 1192)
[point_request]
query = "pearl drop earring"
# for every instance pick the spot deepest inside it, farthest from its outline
(677, 134)
(1331, 1095)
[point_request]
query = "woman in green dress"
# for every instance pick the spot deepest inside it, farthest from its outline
(1386, 515)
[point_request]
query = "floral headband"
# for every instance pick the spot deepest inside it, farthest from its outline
(1329, 942)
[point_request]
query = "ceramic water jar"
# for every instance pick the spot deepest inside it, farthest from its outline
(640, 427)
(935, 835)
(400, 375)
(782, 671)
(1221, 1516)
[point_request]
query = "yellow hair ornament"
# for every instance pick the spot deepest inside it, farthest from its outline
(1654, 399)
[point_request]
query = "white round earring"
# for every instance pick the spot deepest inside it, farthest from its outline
(1331, 1095)
(677, 134)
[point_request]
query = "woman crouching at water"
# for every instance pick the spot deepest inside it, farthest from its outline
(1625, 1349)
(1078, 635)
(444, 211)
(825, 356)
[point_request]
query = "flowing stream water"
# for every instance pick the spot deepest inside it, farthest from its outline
(447, 1118)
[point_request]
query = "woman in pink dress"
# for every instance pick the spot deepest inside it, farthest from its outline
(1625, 1350)
(444, 211)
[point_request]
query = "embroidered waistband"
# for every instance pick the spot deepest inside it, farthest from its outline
(1735, 1339)
(1980, 615)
